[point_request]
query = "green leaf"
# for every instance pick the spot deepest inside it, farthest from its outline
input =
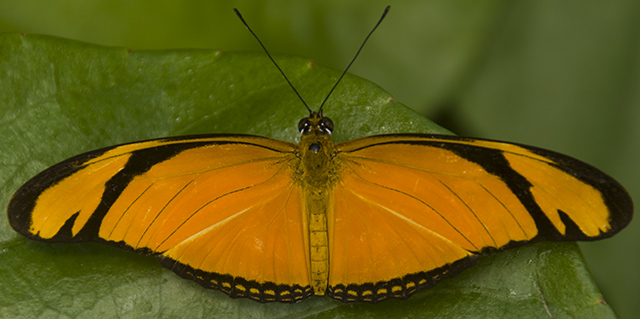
(60, 98)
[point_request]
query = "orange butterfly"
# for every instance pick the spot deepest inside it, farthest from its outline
(370, 219)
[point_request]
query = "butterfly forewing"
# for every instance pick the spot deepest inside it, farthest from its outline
(410, 206)
(226, 206)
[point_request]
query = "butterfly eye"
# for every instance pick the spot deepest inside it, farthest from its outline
(303, 125)
(326, 125)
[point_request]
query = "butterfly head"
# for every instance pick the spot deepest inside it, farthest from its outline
(315, 133)
(315, 124)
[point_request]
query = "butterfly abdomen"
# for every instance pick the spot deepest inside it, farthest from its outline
(316, 208)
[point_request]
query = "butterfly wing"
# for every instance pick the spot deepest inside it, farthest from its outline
(412, 209)
(221, 210)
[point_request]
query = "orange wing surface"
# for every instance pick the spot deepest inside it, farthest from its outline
(411, 209)
(221, 210)
(367, 220)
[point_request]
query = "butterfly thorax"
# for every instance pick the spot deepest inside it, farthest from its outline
(318, 174)
(316, 150)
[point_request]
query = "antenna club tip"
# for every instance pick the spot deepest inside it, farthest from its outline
(238, 13)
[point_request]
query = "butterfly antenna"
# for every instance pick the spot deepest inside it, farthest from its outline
(386, 10)
(272, 60)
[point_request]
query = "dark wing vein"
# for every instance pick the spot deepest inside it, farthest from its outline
(217, 198)
(411, 196)
(472, 212)
(507, 210)
(162, 210)
(127, 210)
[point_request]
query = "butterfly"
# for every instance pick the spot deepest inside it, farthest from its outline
(370, 219)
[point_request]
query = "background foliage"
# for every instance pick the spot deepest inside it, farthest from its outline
(560, 75)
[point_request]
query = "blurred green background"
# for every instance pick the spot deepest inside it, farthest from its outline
(562, 75)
